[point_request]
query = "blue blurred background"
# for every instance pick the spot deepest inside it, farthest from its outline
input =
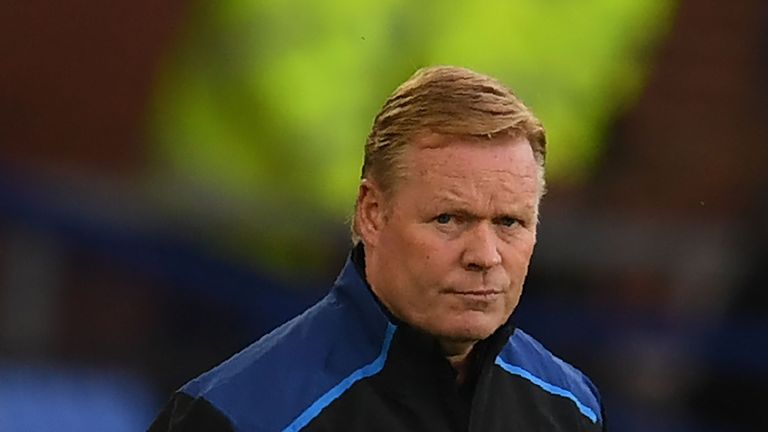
(175, 180)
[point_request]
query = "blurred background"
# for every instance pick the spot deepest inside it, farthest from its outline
(175, 180)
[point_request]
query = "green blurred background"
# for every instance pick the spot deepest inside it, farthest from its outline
(270, 102)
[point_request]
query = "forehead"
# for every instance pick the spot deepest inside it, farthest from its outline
(502, 170)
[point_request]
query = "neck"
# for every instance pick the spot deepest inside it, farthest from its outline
(457, 354)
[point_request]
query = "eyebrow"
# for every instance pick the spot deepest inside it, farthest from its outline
(461, 207)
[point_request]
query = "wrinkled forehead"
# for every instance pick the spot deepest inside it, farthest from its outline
(511, 154)
(425, 156)
(480, 167)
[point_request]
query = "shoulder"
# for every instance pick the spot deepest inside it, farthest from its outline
(273, 381)
(525, 357)
(280, 348)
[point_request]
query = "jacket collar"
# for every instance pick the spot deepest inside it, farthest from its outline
(352, 284)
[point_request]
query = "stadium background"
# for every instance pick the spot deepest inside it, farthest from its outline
(175, 179)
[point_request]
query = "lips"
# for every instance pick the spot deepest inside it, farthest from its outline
(475, 293)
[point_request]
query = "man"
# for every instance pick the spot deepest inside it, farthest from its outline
(416, 333)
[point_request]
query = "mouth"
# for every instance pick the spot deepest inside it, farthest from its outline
(476, 294)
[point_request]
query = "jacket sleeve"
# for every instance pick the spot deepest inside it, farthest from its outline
(183, 413)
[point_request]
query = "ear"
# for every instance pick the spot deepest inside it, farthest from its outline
(369, 212)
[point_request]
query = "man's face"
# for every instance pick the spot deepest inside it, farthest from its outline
(449, 251)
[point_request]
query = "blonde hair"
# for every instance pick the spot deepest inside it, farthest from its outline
(445, 100)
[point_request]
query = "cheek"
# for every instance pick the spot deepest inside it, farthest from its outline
(419, 242)
(428, 258)
(437, 257)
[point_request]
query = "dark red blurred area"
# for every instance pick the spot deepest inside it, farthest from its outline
(695, 143)
(76, 81)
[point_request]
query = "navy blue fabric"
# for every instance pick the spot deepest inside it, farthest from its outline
(527, 358)
(289, 379)
(267, 386)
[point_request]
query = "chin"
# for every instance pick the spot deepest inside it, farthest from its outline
(469, 328)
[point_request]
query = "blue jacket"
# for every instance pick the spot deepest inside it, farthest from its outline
(346, 365)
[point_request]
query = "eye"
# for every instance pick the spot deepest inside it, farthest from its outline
(443, 218)
(507, 221)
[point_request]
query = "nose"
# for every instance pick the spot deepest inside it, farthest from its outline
(481, 249)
